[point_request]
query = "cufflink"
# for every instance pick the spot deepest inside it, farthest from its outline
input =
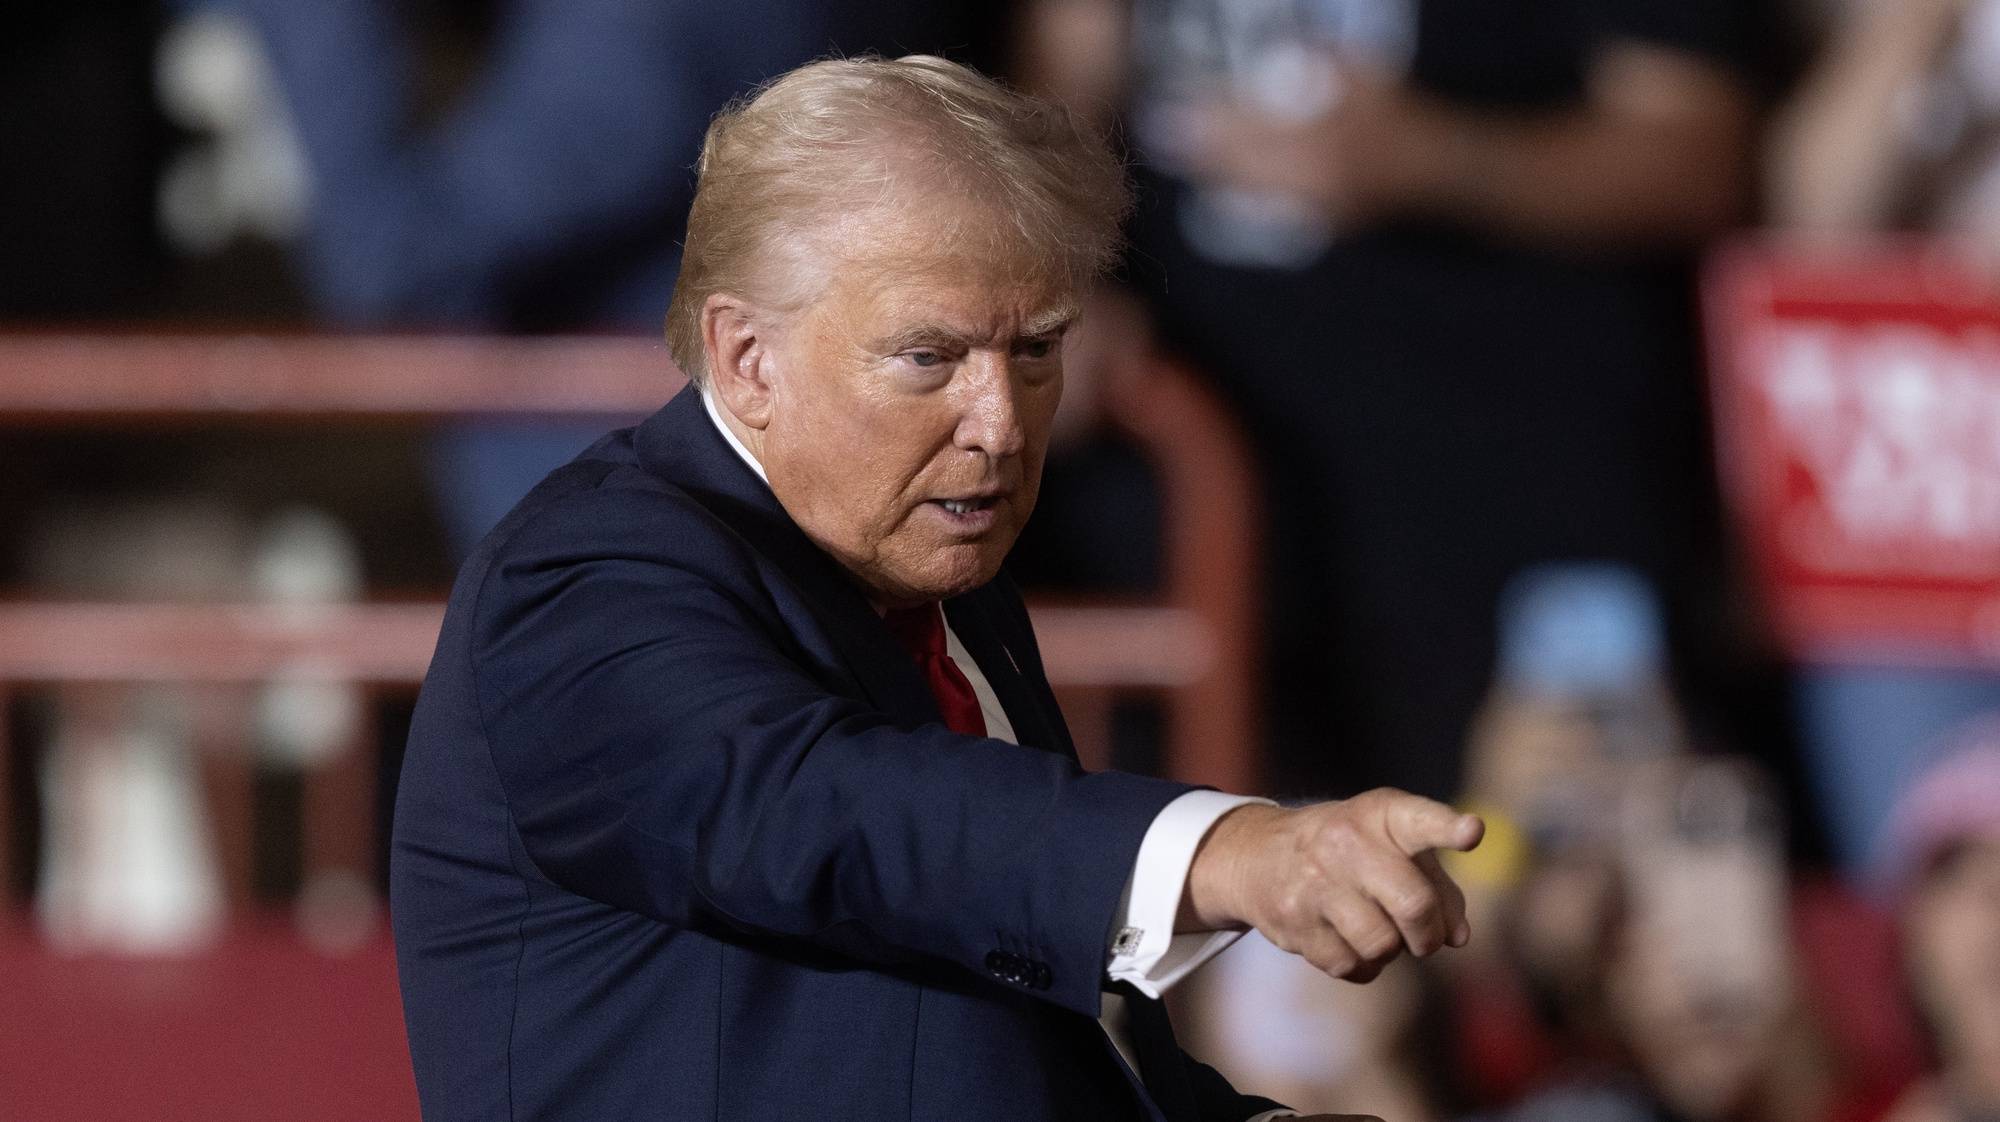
(1126, 942)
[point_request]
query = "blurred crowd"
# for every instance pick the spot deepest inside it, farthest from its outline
(1439, 259)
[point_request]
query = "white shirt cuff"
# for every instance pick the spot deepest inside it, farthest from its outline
(1268, 1115)
(1145, 952)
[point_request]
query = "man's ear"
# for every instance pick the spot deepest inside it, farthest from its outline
(735, 337)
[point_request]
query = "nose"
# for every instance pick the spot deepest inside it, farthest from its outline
(990, 419)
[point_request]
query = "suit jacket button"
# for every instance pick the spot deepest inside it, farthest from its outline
(1004, 966)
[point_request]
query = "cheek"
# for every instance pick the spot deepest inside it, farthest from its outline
(854, 481)
(882, 469)
(859, 500)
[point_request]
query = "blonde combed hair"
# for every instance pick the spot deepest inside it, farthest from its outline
(842, 135)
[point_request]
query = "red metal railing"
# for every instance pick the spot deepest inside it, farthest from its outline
(1195, 645)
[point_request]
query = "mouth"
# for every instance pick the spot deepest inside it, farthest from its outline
(968, 506)
(972, 514)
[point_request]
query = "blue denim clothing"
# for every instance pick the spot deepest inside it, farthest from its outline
(554, 194)
(1869, 731)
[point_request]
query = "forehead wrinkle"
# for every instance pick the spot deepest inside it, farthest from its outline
(890, 267)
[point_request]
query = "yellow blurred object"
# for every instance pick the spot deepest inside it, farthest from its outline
(1500, 859)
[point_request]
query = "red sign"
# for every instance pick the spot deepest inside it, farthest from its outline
(1857, 403)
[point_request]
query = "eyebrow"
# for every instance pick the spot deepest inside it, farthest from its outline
(933, 334)
(1055, 321)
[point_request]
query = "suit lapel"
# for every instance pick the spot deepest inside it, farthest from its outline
(974, 617)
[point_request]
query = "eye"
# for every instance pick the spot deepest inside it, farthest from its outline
(1039, 348)
(925, 358)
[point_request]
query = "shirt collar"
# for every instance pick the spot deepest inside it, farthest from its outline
(729, 434)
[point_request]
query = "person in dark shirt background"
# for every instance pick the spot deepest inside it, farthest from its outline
(1437, 254)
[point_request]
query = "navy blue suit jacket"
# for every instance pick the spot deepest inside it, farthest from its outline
(680, 835)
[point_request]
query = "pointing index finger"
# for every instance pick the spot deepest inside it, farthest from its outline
(1417, 824)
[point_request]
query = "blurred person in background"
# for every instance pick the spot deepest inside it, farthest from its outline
(1646, 925)
(1641, 890)
(1941, 865)
(133, 785)
(1897, 126)
(1436, 253)
(1579, 699)
(1896, 129)
(550, 193)
(1580, 696)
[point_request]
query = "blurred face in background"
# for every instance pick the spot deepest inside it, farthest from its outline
(1952, 943)
(911, 403)
(1700, 983)
(1707, 1054)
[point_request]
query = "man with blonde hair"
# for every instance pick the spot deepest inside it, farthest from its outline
(737, 791)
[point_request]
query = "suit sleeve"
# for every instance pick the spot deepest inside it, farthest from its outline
(666, 747)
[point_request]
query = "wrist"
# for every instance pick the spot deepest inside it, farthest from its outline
(1211, 899)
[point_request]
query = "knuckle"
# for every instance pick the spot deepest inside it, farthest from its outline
(1377, 943)
(1382, 798)
(1320, 955)
(1293, 908)
(1413, 905)
(1338, 839)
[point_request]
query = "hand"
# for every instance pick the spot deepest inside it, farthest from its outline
(1356, 161)
(1349, 885)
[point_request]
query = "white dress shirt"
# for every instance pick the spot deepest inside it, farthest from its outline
(1144, 952)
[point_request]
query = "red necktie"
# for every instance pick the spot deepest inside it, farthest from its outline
(921, 631)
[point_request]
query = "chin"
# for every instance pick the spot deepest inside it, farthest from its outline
(958, 571)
